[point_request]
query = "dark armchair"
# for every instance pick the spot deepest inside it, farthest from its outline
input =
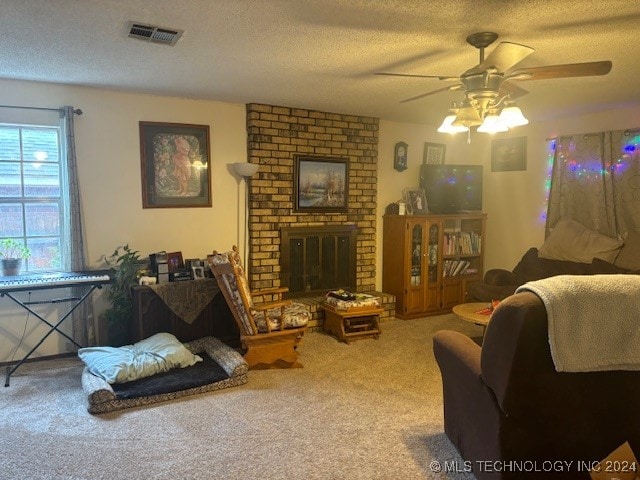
(504, 401)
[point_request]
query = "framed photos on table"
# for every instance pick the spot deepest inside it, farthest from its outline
(174, 259)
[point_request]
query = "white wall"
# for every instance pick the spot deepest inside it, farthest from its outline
(108, 150)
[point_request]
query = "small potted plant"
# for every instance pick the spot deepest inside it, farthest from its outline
(12, 252)
(126, 264)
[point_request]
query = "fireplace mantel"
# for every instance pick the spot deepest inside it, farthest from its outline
(318, 259)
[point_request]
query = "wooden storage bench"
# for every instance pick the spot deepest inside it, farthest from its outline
(352, 324)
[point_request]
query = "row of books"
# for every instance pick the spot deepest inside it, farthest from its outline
(465, 243)
(450, 268)
(453, 268)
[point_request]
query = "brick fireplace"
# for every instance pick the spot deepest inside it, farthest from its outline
(275, 136)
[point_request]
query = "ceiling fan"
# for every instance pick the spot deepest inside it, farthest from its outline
(489, 85)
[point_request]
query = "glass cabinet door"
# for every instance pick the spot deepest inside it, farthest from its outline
(434, 235)
(416, 255)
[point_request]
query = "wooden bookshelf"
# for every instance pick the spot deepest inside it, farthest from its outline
(429, 259)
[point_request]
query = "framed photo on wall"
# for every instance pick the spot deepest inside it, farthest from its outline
(320, 184)
(175, 165)
(434, 153)
(509, 154)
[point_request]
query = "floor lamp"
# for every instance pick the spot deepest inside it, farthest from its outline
(245, 170)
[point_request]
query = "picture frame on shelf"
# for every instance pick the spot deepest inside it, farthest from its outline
(175, 165)
(509, 154)
(416, 201)
(320, 184)
(193, 262)
(174, 259)
(198, 273)
(434, 153)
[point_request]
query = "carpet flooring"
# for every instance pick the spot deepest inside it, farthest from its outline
(368, 410)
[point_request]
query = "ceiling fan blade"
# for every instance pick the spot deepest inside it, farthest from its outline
(450, 87)
(514, 91)
(439, 77)
(505, 56)
(567, 70)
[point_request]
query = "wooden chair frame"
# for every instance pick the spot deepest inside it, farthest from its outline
(273, 348)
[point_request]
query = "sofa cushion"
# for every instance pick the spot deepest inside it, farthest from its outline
(532, 267)
(570, 240)
(629, 256)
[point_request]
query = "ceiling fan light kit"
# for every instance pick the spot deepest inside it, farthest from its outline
(488, 89)
(512, 116)
(448, 126)
(492, 123)
(467, 116)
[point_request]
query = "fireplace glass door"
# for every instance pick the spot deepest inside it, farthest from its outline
(318, 261)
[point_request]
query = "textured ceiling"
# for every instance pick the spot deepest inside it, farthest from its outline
(321, 54)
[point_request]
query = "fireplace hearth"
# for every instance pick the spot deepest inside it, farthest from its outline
(317, 259)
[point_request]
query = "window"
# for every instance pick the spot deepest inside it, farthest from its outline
(34, 194)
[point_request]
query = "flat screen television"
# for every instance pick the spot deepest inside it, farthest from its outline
(452, 188)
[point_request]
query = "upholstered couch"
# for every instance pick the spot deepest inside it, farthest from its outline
(570, 249)
(504, 401)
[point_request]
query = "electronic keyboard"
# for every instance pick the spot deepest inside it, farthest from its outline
(55, 280)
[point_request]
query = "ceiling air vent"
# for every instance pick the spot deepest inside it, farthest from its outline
(153, 33)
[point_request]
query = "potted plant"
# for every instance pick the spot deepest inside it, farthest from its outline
(126, 264)
(12, 252)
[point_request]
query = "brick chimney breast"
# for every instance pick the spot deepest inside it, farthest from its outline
(275, 136)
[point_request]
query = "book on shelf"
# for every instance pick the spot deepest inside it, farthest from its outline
(462, 243)
(454, 268)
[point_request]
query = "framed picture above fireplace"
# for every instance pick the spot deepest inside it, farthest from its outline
(320, 184)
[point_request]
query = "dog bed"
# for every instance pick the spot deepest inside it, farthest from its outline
(222, 367)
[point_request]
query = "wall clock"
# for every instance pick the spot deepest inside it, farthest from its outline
(400, 156)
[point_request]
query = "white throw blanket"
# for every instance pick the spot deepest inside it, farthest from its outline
(594, 320)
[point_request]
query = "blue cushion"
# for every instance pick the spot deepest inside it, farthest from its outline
(158, 353)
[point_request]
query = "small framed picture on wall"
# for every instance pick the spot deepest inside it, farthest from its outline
(434, 153)
(509, 154)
